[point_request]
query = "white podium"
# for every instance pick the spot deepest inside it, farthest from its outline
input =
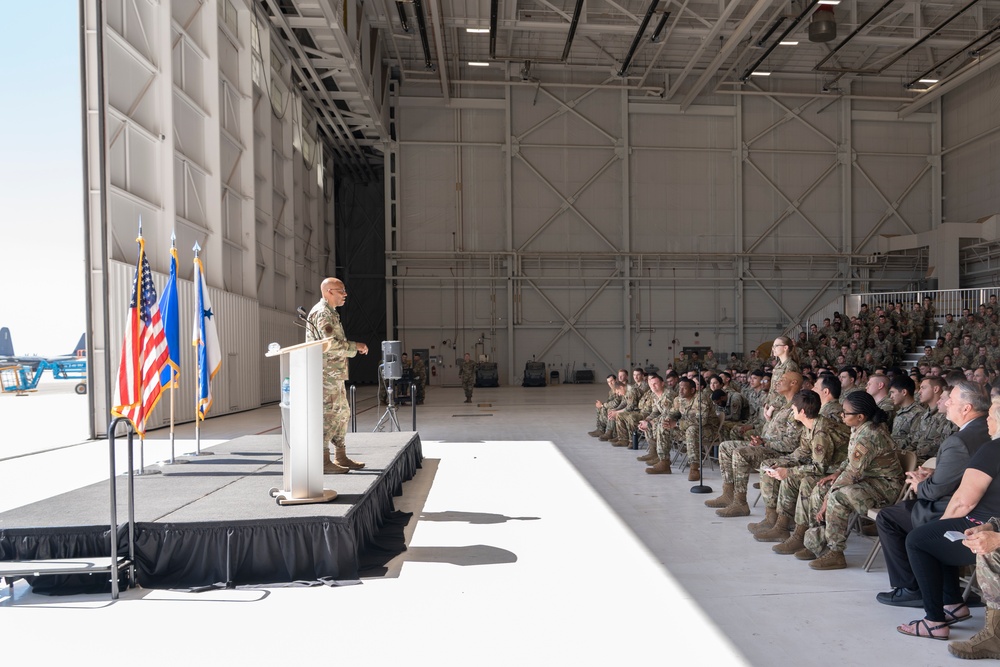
(302, 426)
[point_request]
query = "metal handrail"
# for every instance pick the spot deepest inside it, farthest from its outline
(115, 566)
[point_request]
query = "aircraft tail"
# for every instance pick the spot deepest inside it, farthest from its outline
(81, 346)
(6, 345)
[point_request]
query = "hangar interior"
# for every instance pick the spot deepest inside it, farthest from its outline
(586, 183)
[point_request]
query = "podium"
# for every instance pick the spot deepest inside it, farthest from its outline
(301, 425)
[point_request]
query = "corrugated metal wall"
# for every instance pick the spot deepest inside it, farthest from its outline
(245, 329)
(275, 327)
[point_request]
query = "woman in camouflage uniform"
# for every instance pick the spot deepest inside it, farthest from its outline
(870, 477)
(788, 361)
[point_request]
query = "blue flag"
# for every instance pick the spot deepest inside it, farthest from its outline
(205, 339)
(171, 323)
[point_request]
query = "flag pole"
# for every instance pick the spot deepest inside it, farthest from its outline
(142, 436)
(197, 397)
(173, 380)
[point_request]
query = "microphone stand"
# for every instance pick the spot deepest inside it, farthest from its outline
(700, 487)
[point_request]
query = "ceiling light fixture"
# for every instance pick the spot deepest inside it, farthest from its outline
(788, 42)
(655, 37)
(762, 73)
(477, 30)
(638, 37)
(474, 63)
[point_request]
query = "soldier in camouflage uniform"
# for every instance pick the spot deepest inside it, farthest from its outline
(984, 541)
(779, 436)
(870, 477)
(468, 375)
(950, 326)
(933, 426)
(822, 448)
(689, 409)
(630, 403)
(601, 408)
(419, 376)
(878, 387)
(652, 407)
(325, 325)
(627, 421)
(908, 411)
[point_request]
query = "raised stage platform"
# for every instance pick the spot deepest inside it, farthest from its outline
(213, 522)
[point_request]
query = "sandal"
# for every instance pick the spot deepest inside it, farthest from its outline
(951, 618)
(922, 629)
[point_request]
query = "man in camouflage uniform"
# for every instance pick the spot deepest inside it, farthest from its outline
(822, 447)
(607, 418)
(645, 421)
(325, 325)
(627, 420)
(878, 387)
(601, 408)
(419, 376)
(689, 411)
(468, 375)
(908, 411)
(933, 426)
(633, 393)
(738, 457)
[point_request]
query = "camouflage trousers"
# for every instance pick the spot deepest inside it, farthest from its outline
(988, 577)
(745, 460)
(602, 418)
(783, 495)
(336, 413)
(687, 437)
(467, 387)
(726, 450)
(840, 504)
(626, 424)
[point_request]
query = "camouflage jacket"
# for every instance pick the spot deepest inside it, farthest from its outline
(821, 449)
(904, 421)
(691, 408)
(782, 432)
(773, 397)
(871, 453)
(927, 433)
(831, 410)
(467, 372)
(325, 324)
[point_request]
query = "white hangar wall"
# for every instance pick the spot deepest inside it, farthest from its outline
(191, 107)
(583, 227)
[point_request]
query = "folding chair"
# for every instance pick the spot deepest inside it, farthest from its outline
(908, 461)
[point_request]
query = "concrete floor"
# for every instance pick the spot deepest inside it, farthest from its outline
(535, 545)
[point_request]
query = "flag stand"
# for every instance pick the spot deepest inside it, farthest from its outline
(204, 342)
(173, 385)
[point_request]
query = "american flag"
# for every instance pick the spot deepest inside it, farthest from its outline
(144, 353)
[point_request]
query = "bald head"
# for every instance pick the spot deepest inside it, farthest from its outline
(790, 384)
(333, 292)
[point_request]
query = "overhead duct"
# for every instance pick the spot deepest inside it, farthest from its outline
(823, 26)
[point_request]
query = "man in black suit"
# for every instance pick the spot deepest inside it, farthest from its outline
(966, 408)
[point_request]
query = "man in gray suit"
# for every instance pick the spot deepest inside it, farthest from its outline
(966, 408)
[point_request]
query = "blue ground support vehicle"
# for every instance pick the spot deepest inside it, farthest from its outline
(22, 378)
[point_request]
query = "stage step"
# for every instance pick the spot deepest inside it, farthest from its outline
(11, 571)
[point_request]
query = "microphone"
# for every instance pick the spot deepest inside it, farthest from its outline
(308, 326)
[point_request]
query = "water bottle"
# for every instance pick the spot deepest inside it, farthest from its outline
(286, 388)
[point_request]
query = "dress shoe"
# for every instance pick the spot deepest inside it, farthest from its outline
(901, 597)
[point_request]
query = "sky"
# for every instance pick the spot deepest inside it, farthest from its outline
(42, 294)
